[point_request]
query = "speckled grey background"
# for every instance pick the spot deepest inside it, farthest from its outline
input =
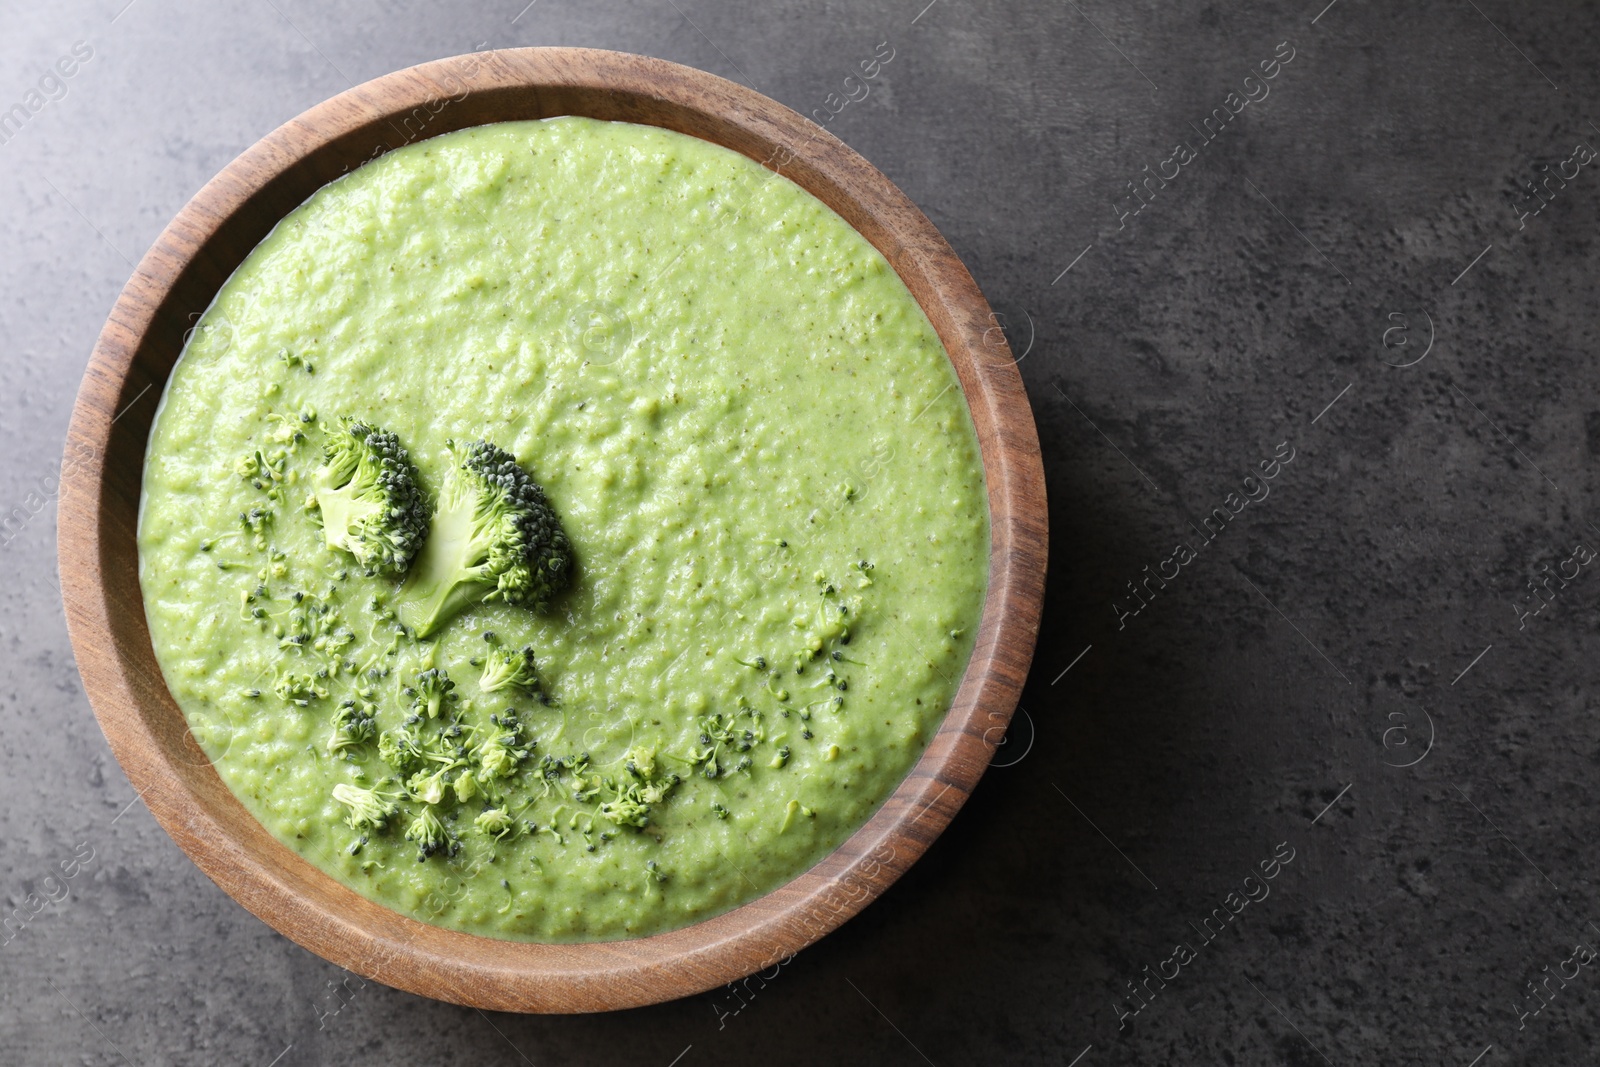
(1372, 611)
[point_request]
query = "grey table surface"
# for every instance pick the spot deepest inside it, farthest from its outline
(1355, 269)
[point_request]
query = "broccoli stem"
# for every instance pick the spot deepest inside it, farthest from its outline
(447, 576)
(342, 507)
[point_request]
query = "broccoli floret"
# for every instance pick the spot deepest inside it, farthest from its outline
(415, 752)
(721, 735)
(640, 761)
(630, 804)
(367, 492)
(352, 725)
(299, 689)
(627, 808)
(433, 691)
(368, 809)
(495, 537)
(495, 760)
(584, 785)
(496, 823)
(500, 754)
(257, 522)
(428, 834)
(427, 786)
(402, 750)
(506, 668)
(263, 472)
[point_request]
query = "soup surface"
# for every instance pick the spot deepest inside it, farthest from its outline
(754, 441)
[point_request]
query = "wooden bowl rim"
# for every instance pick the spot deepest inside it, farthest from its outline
(313, 908)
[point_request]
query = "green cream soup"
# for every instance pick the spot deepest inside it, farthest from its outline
(756, 445)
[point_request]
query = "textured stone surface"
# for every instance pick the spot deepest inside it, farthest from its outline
(1246, 706)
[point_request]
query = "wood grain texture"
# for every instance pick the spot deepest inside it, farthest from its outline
(142, 339)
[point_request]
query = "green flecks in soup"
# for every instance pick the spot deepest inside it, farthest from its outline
(753, 439)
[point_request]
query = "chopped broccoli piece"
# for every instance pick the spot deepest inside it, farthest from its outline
(630, 804)
(496, 760)
(402, 750)
(500, 755)
(424, 757)
(496, 823)
(495, 537)
(584, 785)
(789, 812)
(256, 522)
(720, 735)
(433, 691)
(427, 787)
(353, 725)
(371, 504)
(428, 834)
(507, 668)
(640, 762)
(627, 808)
(369, 809)
(299, 689)
(293, 359)
(263, 472)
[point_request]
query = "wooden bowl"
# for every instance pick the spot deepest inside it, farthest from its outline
(100, 487)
